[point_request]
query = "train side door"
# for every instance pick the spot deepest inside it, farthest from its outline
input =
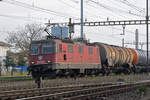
(70, 52)
(62, 54)
(81, 52)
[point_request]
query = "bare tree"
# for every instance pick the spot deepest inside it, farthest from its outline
(22, 38)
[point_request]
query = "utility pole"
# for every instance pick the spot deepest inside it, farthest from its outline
(81, 19)
(33, 3)
(147, 29)
(136, 39)
(123, 26)
(70, 28)
(122, 42)
(61, 32)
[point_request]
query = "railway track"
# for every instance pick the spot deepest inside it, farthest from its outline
(90, 93)
(11, 95)
(30, 84)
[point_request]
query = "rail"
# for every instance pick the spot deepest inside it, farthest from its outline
(92, 92)
(43, 91)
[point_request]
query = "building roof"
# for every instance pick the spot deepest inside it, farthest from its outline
(5, 44)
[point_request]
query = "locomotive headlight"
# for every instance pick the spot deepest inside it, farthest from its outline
(32, 62)
(48, 61)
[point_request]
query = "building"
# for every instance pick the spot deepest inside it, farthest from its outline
(4, 47)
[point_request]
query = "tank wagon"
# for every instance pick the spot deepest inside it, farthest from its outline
(117, 59)
(55, 57)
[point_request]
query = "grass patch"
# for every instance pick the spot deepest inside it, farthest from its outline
(21, 78)
(142, 90)
(17, 76)
(8, 74)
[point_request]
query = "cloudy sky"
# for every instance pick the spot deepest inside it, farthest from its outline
(15, 13)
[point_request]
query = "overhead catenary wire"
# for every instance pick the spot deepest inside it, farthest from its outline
(110, 36)
(23, 18)
(54, 12)
(124, 6)
(75, 1)
(90, 15)
(36, 8)
(126, 2)
(96, 8)
(110, 13)
(122, 16)
(63, 1)
(112, 9)
(127, 31)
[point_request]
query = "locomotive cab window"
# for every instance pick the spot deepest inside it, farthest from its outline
(70, 48)
(48, 48)
(90, 50)
(81, 50)
(34, 50)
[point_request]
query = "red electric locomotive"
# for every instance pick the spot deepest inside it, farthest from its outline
(54, 57)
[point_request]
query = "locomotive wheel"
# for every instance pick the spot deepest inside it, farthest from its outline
(134, 69)
(105, 70)
(108, 72)
(81, 75)
(38, 82)
(127, 71)
(97, 73)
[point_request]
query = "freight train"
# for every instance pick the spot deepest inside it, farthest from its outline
(57, 57)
